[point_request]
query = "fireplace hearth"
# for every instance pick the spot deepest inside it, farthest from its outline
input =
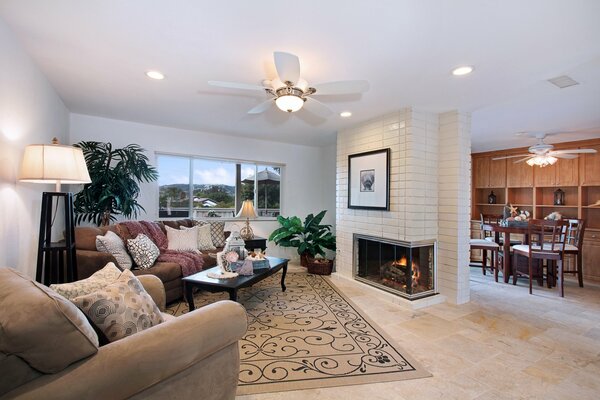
(404, 268)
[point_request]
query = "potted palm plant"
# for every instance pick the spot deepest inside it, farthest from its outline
(116, 175)
(311, 238)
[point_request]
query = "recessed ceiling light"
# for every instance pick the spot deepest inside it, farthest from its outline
(155, 75)
(345, 114)
(462, 70)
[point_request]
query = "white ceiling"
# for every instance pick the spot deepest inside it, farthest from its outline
(95, 55)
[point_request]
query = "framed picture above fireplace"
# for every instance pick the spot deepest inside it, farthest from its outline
(369, 180)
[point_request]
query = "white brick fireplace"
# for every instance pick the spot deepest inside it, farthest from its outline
(430, 188)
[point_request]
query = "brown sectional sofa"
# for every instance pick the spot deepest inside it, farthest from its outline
(89, 260)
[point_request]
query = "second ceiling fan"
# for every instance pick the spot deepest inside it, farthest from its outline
(291, 93)
(543, 154)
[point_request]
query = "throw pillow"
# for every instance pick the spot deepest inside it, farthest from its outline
(143, 250)
(98, 280)
(121, 308)
(113, 244)
(204, 237)
(182, 239)
(217, 232)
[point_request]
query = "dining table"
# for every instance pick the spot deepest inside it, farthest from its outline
(506, 231)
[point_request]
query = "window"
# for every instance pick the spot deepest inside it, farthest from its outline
(193, 187)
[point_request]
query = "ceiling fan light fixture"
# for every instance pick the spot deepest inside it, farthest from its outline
(155, 75)
(542, 161)
(289, 103)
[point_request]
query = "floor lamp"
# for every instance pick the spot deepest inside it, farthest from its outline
(55, 163)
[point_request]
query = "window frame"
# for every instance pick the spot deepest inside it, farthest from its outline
(234, 161)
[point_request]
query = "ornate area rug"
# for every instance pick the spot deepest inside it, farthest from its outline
(311, 336)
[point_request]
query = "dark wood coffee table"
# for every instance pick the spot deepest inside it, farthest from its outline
(231, 286)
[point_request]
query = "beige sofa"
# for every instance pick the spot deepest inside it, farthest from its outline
(191, 356)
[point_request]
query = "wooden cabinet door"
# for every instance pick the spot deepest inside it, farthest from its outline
(481, 172)
(590, 168)
(497, 173)
(567, 172)
(518, 175)
(544, 176)
(591, 256)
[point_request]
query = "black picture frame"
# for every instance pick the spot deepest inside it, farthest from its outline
(366, 172)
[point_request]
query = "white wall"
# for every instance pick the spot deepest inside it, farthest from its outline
(309, 175)
(30, 112)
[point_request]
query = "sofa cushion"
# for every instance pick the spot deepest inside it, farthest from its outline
(40, 326)
(15, 372)
(97, 281)
(143, 250)
(113, 244)
(121, 308)
(85, 236)
(182, 239)
(205, 242)
(165, 271)
(217, 232)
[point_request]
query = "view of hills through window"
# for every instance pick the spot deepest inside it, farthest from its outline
(192, 187)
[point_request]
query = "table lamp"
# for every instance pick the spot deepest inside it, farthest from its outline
(55, 163)
(248, 212)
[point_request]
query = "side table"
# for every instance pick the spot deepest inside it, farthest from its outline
(256, 243)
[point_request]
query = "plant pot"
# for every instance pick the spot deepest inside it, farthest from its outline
(320, 266)
(304, 259)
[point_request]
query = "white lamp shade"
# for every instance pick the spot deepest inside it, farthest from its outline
(247, 210)
(53, 163)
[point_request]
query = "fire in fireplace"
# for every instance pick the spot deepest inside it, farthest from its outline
(403, 268)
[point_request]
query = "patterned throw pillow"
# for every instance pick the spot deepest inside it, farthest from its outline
(182, 239)
(98, 280)
(121, 308)
(143, 250)
(113, 244)
(217, 232)
(204, 237)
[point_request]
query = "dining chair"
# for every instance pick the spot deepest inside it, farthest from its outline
(574, 232)
(486, 245)
(487, 219)
(546, 242)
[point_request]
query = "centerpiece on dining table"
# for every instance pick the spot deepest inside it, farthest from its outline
(512, 216)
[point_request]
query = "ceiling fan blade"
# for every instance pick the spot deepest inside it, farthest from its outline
(236, 85)
(565, 155)
(574, 151)
(262, 107)
(524, 159)
(505, 157)
(288, 66)
(341, 87)
(317, 108)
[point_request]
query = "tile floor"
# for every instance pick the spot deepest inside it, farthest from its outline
(504, 344)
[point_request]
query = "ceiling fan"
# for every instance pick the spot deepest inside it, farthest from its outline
(542, 154)
(290, 92)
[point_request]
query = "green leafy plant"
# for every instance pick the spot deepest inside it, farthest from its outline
(310, 238)
(116, 175)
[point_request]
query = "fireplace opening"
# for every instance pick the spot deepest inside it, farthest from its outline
(403, 268)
